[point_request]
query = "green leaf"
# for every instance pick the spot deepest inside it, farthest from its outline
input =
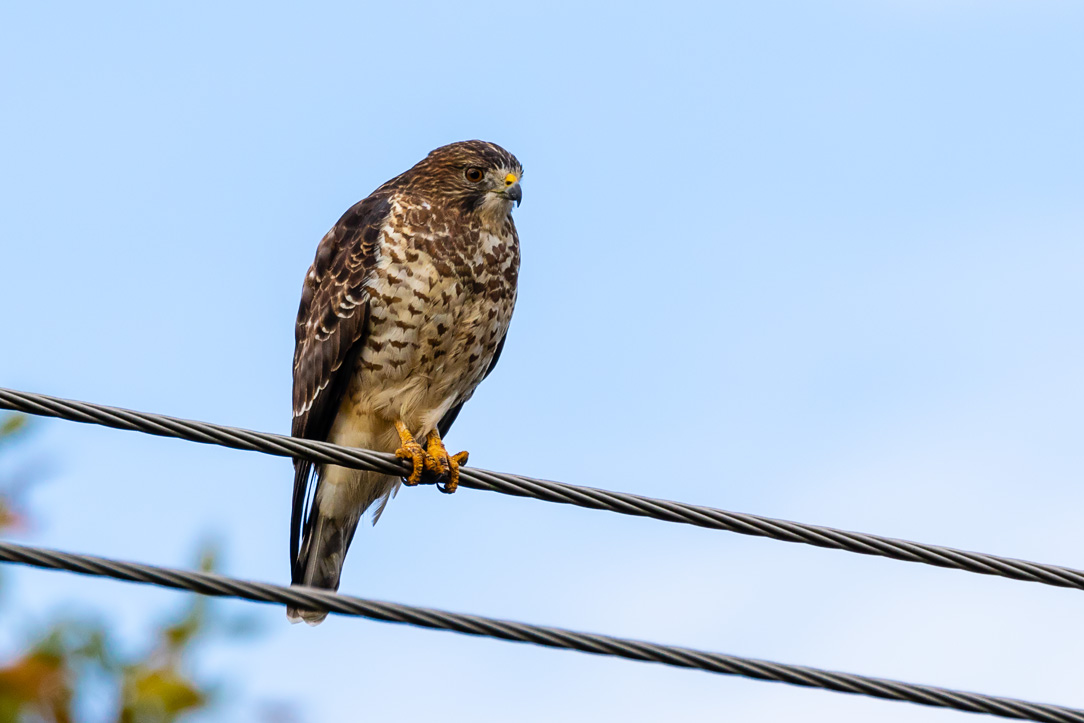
(12, 424)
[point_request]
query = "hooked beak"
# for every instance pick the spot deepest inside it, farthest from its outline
(514, 193)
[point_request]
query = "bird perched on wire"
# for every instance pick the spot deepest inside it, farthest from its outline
(403, 314)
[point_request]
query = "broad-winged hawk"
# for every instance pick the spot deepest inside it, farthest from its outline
(403, 313)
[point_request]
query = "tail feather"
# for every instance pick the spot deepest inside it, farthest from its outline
(341, 499)
(320, 561)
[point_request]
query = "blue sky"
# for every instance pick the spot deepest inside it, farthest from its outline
(814, 261)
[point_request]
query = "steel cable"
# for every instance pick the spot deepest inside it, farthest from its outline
(312, 598)
(510, 484)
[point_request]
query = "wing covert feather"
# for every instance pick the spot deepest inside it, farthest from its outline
(332, 323)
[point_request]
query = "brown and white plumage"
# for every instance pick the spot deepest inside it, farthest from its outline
(403, 313)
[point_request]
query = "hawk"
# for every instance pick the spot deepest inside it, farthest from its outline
(403, 313)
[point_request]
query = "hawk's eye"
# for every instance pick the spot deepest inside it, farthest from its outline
(474, 174)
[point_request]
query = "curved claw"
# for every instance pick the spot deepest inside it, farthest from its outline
(417, 456)
(413, 451)
(455, 461)
(432, 460)
(444, 466)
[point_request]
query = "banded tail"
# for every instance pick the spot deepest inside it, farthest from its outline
(342, 497)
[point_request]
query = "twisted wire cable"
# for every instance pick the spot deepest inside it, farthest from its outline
(510, 484)
(312, 598)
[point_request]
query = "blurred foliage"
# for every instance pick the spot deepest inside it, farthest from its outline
(12, 425)
(42, 684)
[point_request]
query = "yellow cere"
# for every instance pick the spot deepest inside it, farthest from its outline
(510, 179)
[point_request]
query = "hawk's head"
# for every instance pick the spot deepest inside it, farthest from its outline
(477, 176)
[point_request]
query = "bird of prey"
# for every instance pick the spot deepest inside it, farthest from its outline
(403, 313)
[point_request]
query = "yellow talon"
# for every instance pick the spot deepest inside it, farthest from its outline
(432, 460)
(410, 449)
(457, 461)
(443, 465)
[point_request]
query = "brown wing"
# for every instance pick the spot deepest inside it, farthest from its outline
(331, 326)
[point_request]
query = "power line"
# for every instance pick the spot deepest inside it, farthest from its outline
(519, 486)
(510, 484)
(312, 598)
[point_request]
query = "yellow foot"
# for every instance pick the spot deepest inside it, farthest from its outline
(445, 466)
(433, 462)
(410, 449)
